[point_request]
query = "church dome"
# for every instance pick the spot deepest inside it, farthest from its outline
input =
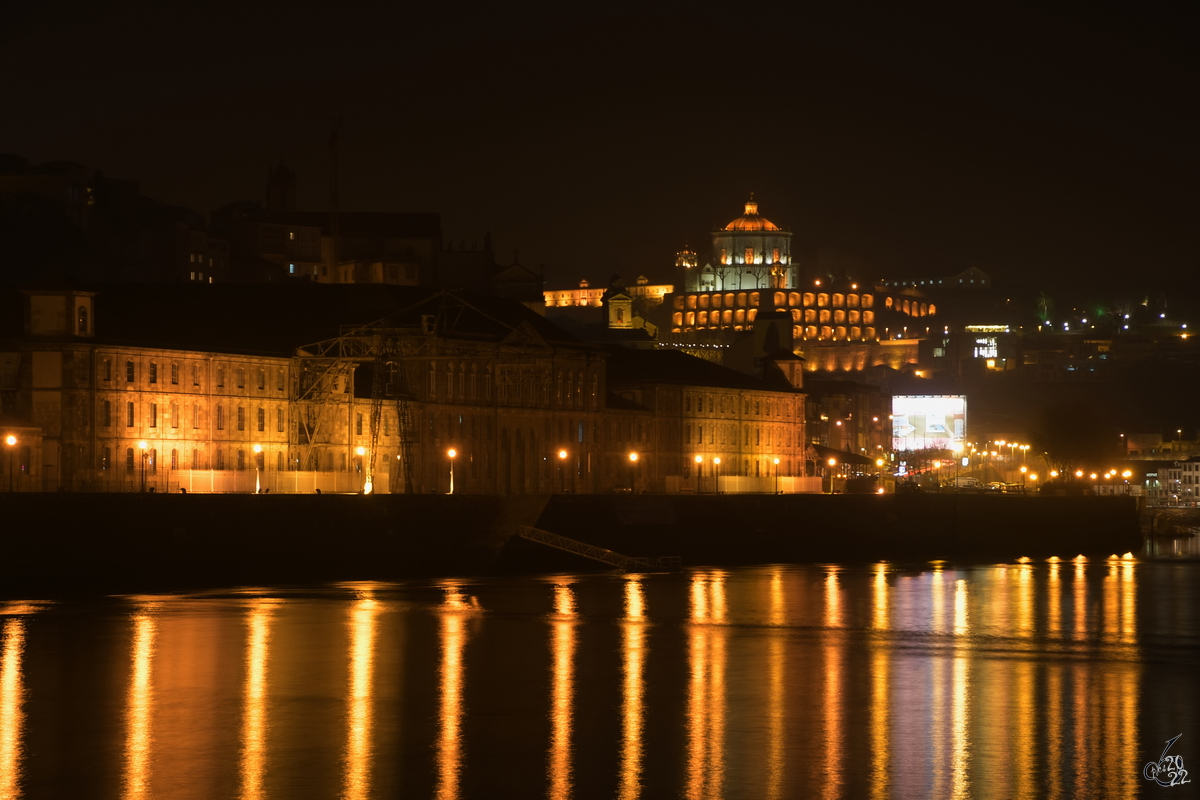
(751, 221)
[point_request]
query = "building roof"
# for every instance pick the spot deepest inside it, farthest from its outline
(751, 220)
(276, 319)
(626, 366)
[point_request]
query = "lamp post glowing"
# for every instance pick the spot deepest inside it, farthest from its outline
(451, 453)
(11, 441)
(777, 476)
(1024, 470)
(257, 475)
(633, 459)
(699, 465)
(360, 451)
(717, 475)
(142, 447)
(562, 476)
(832, 463)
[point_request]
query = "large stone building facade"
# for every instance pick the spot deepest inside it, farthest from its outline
(432, 384)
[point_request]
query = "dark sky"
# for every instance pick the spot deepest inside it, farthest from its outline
(1041, 145)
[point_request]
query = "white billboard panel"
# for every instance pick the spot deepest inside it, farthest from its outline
(924, 421)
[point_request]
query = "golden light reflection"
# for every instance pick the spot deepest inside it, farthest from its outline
(834, 760)
(12, 691)
(1128, 603)
(454, 610)
(880, 720)
(360, 718)
(960, 607)
(562, 692)
(633, 703)
(706, 689)
(1080, 605)
(960, 715)
(1054, 600)
(1024, 576)
(1054, 729)
(879, 620)
(937, 589)
(139, 702)
(1024, 696)
(776, 690)
(833, 608)
(1112, 603)
(254, 699)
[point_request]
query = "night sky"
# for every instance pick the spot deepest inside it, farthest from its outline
(1040, 145)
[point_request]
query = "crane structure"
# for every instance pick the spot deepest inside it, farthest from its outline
(398, 350)
(325, 389)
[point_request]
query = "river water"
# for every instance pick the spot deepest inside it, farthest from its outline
(1058, 679)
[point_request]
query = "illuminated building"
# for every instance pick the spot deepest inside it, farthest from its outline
(231, 388)
(749, 252)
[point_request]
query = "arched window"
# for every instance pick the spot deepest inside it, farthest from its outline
(174, 416)
(82, 321)
(262, 418)
(174, 458)
(106, 459)
(129, 372)
(195, 374)
(241, 418)
(129, 459)
(241, 459)
(241, 378)
(279, 460)
(106, 414)
(152, 460)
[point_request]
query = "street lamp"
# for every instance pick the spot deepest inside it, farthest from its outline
(11, 441)
(717, 475)
(699, 465)
(1024, 469)
(777, 476)
(1126, 475)
(451, 453)
(142, 446)
(257, 455)
(562, 476)
(633, 457)
(832, 463)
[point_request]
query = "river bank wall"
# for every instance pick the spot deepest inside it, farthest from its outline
(755, 529)
(65, 543)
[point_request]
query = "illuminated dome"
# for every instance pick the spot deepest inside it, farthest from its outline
(751, 221)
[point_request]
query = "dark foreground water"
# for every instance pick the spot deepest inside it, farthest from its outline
(1027, 680)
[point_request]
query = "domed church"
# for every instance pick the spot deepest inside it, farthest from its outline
(751, 252)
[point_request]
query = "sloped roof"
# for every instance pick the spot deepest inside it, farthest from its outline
(626, 366)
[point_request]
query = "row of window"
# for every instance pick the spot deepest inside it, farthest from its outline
(150, 458)
(725, 403)
(106, 373)
(520, 385)
(787, 436)
(733, 300)
(174, 417)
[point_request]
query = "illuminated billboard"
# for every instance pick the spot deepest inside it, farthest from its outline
(920, 422)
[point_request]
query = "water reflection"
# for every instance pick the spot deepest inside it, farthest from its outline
(12, 695)
(359, 714)
(562, 690)
(139, 703)
(706, 687)
(1015, 681)
(633, 689)
(453, 611)
(831, 786)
